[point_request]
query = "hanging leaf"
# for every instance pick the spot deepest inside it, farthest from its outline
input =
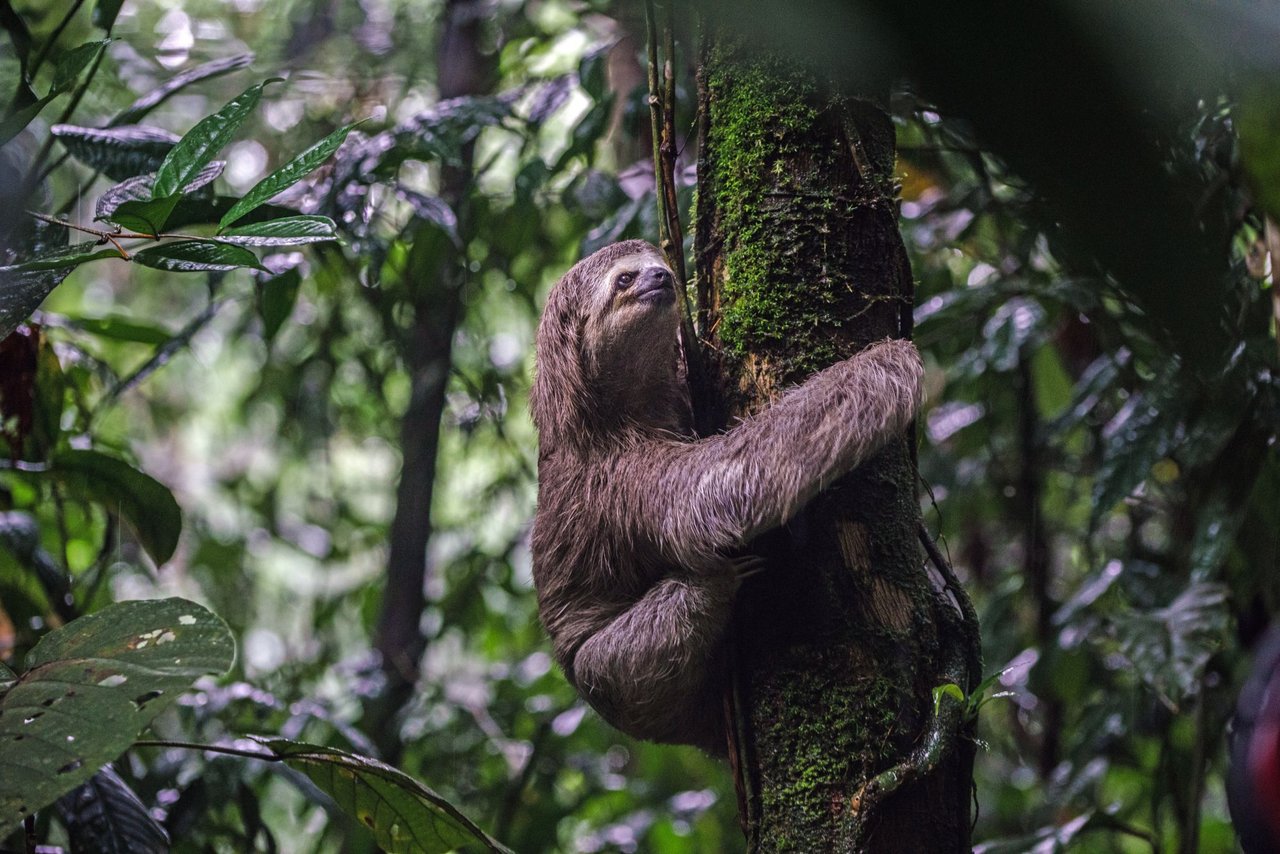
(289, 231)
(195, 256)
(104, 815)
(404, 816)
(91, 686)
(24, 286)
(120, 152)
(276, 297)
(177, 83)
(144, 217)
(287, 175)
(143, 502)
(202, 142)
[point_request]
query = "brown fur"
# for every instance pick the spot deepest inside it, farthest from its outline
(636, 518)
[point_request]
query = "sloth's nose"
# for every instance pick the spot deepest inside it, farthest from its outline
(655, 277)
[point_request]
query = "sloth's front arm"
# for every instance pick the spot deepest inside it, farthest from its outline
(719, 492)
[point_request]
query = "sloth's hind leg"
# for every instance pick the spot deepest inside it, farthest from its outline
(651, 671)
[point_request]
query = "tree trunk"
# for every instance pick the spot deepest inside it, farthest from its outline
(842, 639)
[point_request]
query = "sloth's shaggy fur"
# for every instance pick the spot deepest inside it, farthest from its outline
(638, 520)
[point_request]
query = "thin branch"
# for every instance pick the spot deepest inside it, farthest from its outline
(662, 110)
(162, 355)
(114, 235)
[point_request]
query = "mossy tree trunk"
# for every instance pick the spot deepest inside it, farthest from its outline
(842, 639)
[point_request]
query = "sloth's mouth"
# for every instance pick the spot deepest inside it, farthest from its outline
(655, 291)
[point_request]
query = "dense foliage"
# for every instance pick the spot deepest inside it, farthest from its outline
(216, 416)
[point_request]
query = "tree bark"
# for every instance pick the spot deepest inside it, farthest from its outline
(840, 642)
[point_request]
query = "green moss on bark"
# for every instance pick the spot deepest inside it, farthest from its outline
(839, 644)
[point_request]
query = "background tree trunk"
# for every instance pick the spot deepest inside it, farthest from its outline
(841, 641)
(436, 279)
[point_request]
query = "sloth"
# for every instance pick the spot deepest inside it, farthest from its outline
(640, 526)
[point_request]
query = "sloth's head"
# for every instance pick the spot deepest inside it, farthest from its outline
(608, 334)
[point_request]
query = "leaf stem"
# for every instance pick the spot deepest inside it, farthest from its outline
(114, 236)
(210, 748)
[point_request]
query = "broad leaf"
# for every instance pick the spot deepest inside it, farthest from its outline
(177, 83)
(195, 256)
(24, 286)
(289, 231)
(1135, 439)
(104, 816)
(91, 686)
(404, 816)
(1169, 647)
(287, 175)
(120, 152)
(143, 502)
(203, 141)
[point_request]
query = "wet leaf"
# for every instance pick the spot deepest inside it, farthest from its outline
(104, 816)
(289, 231)
(91, 686)
(177, 83)
(210, 135)
(287, 175)
(404, 816)
(195, 256)
(1169, 647)
(120, 152)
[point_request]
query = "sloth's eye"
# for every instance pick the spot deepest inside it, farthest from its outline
(626, 279)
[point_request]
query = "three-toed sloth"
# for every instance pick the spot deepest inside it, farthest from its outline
(639, 520)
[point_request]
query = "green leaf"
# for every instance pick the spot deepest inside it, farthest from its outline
(144, 217)
(276, 297)
(289, 231)
(948, 689)
(195, 256)
(105, 816)
(177, 83)
(141, 213)
(123, 329)
(1170, 647)
(1136, 438)
(21, 292)
(205, 140)
(404, 816)
(24, 285)
(288, 175)
(120, 152)
(142, 501)
(63, 257)
(91, 686)
(72, 64)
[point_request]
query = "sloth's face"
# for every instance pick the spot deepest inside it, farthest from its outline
(635, 295)
(632, 311)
